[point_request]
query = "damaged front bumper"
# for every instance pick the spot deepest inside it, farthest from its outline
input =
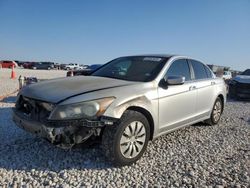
(63, 133)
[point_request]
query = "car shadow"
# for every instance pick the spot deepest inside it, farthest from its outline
(200, 124)
(21, 150)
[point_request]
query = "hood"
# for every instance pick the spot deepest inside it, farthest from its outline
(56, 90)
(242, 79)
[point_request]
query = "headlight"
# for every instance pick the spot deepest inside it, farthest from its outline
(88, 109)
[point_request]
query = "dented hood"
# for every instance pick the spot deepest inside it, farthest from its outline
(56, 90)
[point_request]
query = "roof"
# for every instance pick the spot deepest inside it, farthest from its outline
(167, 56)
(155, 55)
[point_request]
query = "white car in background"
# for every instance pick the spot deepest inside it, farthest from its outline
(72, 66)
(81, 67)
(227, 75)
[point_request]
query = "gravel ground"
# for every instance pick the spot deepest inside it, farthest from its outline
(196, 156)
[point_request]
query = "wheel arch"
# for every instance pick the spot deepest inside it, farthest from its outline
(222, 100)
(148, 115)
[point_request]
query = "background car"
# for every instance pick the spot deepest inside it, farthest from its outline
(239, 86)
(227, 75)
(84, 72)
(63, 66)
(71, 66)
(42, 65)
(57, 66)
(28, 65)
(8, 64)
(81, 67)
(20, 63)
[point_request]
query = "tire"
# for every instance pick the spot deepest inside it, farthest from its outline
(125, 142)
(216, 112)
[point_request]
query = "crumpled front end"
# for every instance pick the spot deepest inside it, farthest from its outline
(32, 116)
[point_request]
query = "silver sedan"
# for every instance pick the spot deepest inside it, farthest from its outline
(125, 103)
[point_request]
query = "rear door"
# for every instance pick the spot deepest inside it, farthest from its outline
(177, 102)
(204, 84)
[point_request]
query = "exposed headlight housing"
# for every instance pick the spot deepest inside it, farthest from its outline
(88, 109)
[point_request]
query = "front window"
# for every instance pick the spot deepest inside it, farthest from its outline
(135, 68)
(179, 68)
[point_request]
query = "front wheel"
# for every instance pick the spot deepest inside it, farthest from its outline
(125, 142)
(216, 112)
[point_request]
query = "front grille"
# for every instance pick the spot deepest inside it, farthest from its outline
(32, 109)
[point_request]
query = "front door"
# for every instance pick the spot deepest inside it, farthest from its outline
(177, 102)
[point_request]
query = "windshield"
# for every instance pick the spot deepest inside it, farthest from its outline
(246, 72)
(135, 68)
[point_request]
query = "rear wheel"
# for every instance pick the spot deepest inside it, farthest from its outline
(216, 112)
(125, 142)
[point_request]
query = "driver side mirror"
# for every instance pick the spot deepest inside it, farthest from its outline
(171, 80)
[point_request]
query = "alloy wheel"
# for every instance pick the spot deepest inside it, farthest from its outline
(133, 139)
(217, 111)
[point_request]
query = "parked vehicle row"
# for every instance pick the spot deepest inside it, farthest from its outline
(42, 65)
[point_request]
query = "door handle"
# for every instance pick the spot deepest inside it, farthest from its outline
(212, 83)
(192, 88)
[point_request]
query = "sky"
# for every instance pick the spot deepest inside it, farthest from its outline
(95, 31)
